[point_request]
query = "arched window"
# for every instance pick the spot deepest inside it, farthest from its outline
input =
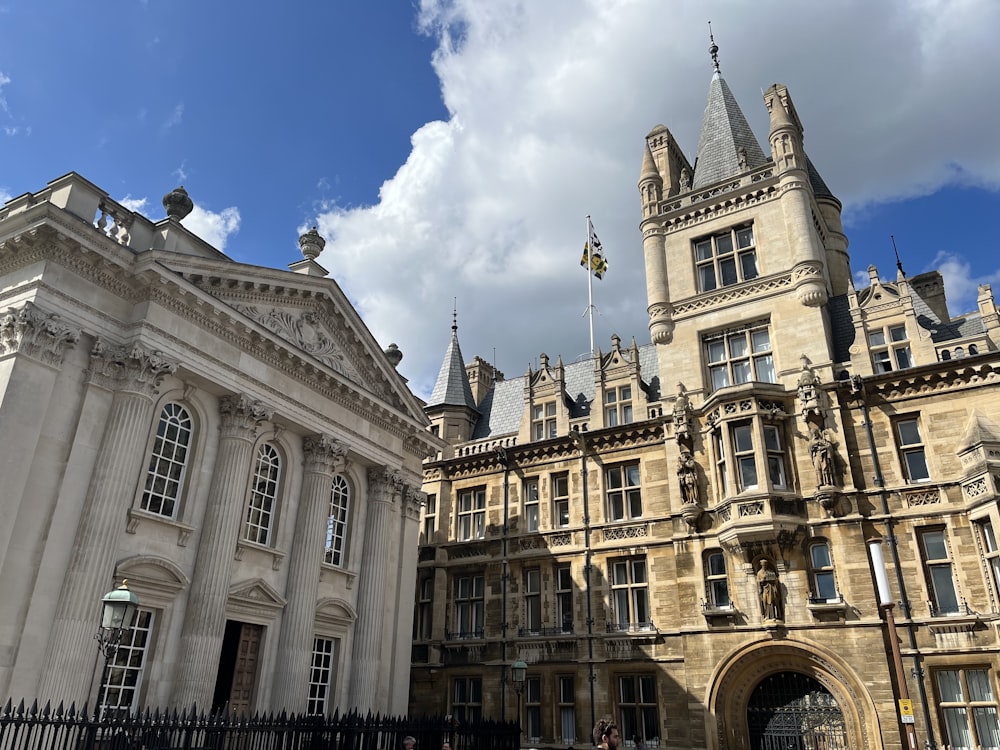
(263, 495)
(168, 461)
(336, 524)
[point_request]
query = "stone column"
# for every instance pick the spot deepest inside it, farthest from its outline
(324, 457)
(134, 375)
(661, 322)
(205, 617)
(384, 487)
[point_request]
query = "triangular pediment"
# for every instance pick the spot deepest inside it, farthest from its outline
(256, 592)
(308, 315)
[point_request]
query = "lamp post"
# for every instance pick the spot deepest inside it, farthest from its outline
(120, 607)
(518, 671)
(904, 709)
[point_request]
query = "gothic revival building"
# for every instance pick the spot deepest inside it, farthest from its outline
(724, 538)
(229, 438)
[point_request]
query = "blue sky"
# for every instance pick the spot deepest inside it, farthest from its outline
(452, 148)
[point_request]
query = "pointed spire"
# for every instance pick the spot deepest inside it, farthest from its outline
(649, 170)
(452, 385)
(727, 146)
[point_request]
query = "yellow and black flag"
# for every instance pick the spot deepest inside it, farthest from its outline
(593, 253)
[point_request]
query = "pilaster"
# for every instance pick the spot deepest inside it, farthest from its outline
(134, 374)
(384, 488)
(205, 616)
(324, 457)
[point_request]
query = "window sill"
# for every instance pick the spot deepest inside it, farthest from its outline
(329, 571)
(276, 555)
(136, 517)
(826, 609)
(715, 615)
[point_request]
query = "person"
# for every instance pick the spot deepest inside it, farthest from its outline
(408, 742)
(770, 593)
(639, 744)
(606, 735)
(446, 745)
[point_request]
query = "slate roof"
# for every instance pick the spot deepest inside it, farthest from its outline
(503, 406)
(452, 385)
(724, 130)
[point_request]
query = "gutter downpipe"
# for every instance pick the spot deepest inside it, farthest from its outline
(858, 390)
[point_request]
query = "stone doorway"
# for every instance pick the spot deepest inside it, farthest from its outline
(236, 680)
(792, 711)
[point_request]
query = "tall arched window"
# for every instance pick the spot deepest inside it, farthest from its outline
(263, 495)
(168, 461)
(336, 524)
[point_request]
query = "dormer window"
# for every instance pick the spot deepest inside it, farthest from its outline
(618, 406)
(725, 259)
(890, 349)
(543, 421)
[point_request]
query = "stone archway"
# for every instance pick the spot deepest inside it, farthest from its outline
(738, 677)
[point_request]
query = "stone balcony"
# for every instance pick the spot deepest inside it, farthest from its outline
(760, 519)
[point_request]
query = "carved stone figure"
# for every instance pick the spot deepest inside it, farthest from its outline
(687, 477)
(808, 392)
(770, 592)
(682, 414)
(685, 179)
(821, 454)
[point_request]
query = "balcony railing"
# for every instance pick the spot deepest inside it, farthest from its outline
(464, 635)
(566, 629)
(632, 627)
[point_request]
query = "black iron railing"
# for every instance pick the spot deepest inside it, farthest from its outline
(45, 728)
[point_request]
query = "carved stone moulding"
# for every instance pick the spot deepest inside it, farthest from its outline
(38, 334)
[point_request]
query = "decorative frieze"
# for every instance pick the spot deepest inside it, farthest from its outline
(37, 334)
(128, 368)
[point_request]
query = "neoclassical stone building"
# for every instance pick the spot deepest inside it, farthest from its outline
(229, 438)
(684, 535)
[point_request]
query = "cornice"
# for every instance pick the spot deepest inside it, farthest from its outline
(676, 216)
(758, 288)
(919, 382)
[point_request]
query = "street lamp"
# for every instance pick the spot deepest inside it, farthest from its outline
(904, 709)
(120, 607)
(518, 670)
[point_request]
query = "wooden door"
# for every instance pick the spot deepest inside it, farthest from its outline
(245, 670)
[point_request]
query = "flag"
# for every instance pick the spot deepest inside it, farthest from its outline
(593, 253)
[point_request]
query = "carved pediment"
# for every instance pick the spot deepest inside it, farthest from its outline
(256, 593)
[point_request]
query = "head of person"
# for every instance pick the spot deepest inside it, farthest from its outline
(409, 742)
(606, 733)
(446, 746)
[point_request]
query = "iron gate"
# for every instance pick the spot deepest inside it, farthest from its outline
(792, 711)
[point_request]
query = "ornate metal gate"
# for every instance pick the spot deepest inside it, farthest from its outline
(792, 711)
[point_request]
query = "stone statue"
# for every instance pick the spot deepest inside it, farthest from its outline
(808, 392)
(685, 179)
(687, 477)
(821, 454)
(770, 591)
(682, 414)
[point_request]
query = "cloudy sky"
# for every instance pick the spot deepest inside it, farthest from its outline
(450, 150)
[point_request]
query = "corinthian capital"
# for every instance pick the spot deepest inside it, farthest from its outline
(128, 368)
(324, 455)
(384, 483)
(37, 334)
(242, 415)
(414, 499)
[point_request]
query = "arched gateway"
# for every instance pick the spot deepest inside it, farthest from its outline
(785, 696)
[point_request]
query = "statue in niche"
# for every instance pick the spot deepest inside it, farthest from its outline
(770, 591)
(685, 179)
(682, 414)
(821, 454)
(687, 477)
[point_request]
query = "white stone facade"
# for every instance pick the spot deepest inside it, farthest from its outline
(184, 421)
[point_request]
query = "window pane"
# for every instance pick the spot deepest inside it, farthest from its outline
(716, 564)
(742, 438)
(716, 351)
(748, 265)
(934, 546)
(632, 475)
(727, 270)
(737, 346)
(741, 372)
(720, 377)
(916, 465)
(949, 686)
(877, 338)
(761, 341)
(820, 554)
(957, 723)
(720, 593)
(979, 685)
(703, 250)
(744, 237)
(772, 439)
(825, 588)
(765, 369)
(776, 470)
(748, 472)
(707, 277)
(945, 596)
(909, 433)
(903, 359)
(897, 333)
(986, 727)
(724, 243)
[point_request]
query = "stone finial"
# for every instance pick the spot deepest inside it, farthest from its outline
(177, 203)
(393, 354)
(311, 244)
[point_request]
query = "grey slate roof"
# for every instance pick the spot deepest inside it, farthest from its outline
(724, 130)
(819, 185)
(841, 327)
(452, 385)
(957, 328)
(503, 406)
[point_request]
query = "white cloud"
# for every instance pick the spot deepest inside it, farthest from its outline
(174, 119)
(214, 228)
(548, 107)
(5, 195)
(4, 80)
(180, 172)
(961, 285)
(134, 204)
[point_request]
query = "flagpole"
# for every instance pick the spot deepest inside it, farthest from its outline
(590, 282)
